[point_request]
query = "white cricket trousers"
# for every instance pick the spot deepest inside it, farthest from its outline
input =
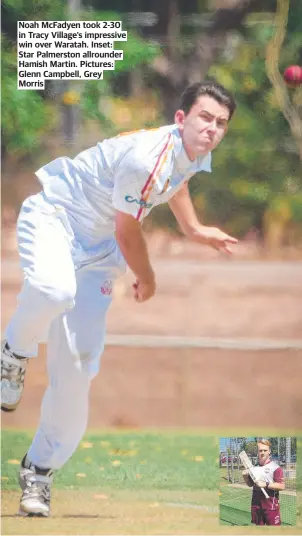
(65, 300)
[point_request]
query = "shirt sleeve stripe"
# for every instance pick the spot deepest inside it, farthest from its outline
(159, 163)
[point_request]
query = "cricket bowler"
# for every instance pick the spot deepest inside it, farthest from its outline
(77, 236)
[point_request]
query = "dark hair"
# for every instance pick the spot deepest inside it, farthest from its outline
(210, 88)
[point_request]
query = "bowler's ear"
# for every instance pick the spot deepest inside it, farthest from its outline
(179, 117)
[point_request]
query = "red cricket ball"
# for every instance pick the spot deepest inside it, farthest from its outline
(293, 75)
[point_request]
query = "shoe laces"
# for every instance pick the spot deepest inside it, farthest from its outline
(37, 487)
(12, 368)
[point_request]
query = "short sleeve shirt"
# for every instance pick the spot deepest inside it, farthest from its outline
(132, 173)
(270, 472)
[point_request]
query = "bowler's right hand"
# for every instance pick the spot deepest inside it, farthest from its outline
(144, 290)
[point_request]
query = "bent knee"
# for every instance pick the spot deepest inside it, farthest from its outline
(59, 297)
(62, 297)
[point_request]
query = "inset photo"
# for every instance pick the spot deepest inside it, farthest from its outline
(258, 481)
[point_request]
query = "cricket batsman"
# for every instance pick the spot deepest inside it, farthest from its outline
(75, 238)
(269, 476)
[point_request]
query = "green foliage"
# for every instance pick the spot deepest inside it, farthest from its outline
(136, 52)
(256, 170)
(282, 446)
(259, 157)
(28, 114)
(15, 10)
(251, 449)
(24, 114)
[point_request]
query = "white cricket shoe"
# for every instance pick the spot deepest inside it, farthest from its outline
(35, 483)
(12, 378)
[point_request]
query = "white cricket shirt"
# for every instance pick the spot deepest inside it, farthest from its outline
(270, 472)
(131, 172)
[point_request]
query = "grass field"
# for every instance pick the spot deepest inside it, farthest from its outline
(122, 483)
(126, 482)
(127, 460)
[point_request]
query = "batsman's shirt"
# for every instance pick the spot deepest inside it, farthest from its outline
(270, 472)
(132, 173)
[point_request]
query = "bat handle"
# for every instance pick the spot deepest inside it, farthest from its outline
(266, 495)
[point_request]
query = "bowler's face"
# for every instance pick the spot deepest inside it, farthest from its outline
(263, 453)
(203, 128)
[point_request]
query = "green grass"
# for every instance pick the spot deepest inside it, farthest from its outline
(129, 482)
(122, 483)
(126, 460)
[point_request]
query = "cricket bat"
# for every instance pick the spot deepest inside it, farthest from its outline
(246, 462)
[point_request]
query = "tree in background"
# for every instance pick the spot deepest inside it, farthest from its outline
(28, 117)
(256, 179)
(279, 446)
(251, 449)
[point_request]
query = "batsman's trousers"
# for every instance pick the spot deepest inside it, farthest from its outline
(266, 516)
(64, 301)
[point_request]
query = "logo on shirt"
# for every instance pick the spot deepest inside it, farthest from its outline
(106, 288)
(140, 202)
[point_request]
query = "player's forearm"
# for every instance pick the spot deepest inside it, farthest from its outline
(248, 480)
(184, 212)
(134, 249)
(183, 209)
(277, 486)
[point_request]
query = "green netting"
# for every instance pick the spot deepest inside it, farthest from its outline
(235, 505)
(234, 516)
